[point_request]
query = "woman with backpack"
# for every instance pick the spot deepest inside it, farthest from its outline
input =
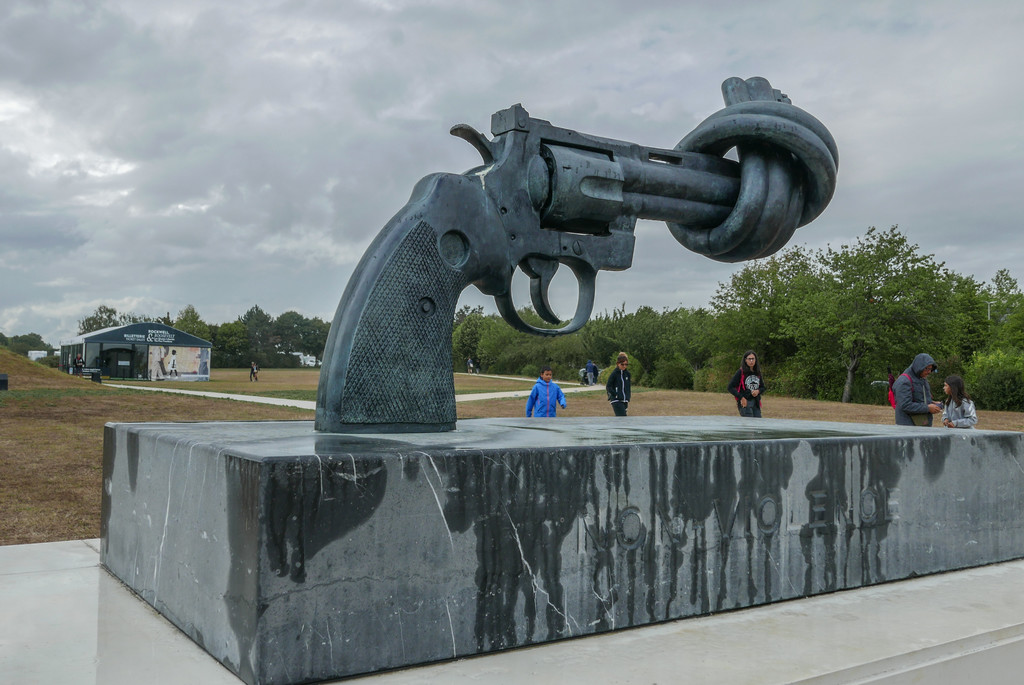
(747, 386)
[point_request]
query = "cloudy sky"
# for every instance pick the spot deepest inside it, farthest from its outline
(226, 154)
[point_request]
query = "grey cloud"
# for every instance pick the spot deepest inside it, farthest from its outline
(27, 232)
(259, 146)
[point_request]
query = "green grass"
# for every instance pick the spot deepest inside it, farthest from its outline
(50, 395)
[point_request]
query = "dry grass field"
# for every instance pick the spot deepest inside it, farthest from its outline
(51, 429)
(51, 444)
(648, 402)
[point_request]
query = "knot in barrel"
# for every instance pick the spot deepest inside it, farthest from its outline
(788, 165)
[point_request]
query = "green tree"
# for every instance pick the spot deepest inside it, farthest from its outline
(21, 344)
(259, 327)
(1004, 311)
(189, 321)
(996, 379)
(500, 346)
(502, 349)
(288, 329)
(640, 334)
(465, 311)
(103, 317)
(687, 334)
(967, 324)
(601, 338)
(314, 337)
(1009, 334)
(869, 302)
(1002, 296)
(230, 345)
(466, 337)
(750, 310)
(108, 317)
(294, 333)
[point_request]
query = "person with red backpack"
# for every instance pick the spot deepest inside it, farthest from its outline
(912, 396)
(747, 386)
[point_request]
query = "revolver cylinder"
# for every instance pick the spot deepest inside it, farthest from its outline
(584, 192)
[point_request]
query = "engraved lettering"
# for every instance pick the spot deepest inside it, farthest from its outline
(868, 506)
(892, 505)
(725, 531)
(631, 532)
(768, 515)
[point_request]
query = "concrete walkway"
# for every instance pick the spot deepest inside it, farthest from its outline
(281, 402)
(311, 406)
(65, 620)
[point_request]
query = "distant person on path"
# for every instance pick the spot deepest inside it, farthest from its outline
(747, 386)
(618, 385)
(545, 395)
(913, 396)
(79, 365)
(591, 372)
(958, 409)
(469, 365)
(254, 372)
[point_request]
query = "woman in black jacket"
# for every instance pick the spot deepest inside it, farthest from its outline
(747, 386)
(618, 385)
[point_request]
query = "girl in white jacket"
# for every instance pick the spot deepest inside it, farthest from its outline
(958, 409)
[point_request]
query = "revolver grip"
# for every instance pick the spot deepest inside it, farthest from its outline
(387, 363)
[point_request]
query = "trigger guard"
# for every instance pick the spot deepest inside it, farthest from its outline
(585, 276)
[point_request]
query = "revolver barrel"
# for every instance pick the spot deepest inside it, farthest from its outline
(587, 189)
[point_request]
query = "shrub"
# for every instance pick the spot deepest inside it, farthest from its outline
(674, 373)
(996, 380)
(715, 376)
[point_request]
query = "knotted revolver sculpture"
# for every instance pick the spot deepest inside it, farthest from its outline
(546, 196)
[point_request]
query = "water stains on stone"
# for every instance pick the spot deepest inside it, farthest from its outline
(521, 506)
(132, 448)
(241, 598)
(314, 502)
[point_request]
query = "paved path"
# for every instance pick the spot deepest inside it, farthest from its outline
(311, 406)
(279, 401)
(65, 620)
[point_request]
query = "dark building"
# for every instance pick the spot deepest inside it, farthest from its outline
(139, 351)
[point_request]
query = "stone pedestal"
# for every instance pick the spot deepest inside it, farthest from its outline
(293, 556)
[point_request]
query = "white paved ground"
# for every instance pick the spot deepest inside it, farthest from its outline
(63, 619)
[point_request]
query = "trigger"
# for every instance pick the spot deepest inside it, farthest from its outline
(474, 138)
(541, 271)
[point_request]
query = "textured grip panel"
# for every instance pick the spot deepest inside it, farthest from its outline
(399, 370)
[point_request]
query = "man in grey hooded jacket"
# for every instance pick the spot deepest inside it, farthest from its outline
(913, 394)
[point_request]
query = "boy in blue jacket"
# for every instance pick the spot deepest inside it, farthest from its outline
(545, 395)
